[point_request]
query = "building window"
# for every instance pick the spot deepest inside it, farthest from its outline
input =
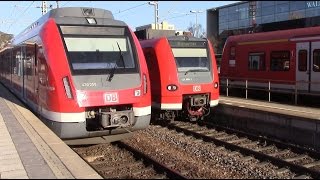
(297, 5)
(282, 17)
(268, 10)
(233, 17)
(267, 19)
(267, 3)
(282, 8)
(302, 66)
(316, 60)
(280, 61)
(297, 14)
(223, 12)
(257, 61)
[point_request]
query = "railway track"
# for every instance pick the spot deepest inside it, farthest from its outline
(125, 162)
(303, 162)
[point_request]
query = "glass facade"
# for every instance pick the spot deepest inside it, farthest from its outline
(261, 16)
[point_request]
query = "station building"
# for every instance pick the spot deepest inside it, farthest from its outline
(259, 16)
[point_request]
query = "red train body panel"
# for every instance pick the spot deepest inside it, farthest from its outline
(82, 71)
(288, 59)
(180, 84)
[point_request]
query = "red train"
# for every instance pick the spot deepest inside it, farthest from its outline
(83, 71)
(288, 59)
(184, 77)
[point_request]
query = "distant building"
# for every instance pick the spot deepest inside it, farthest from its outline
(5, 39)
(163, 26)
(149, 31)
(259, 16)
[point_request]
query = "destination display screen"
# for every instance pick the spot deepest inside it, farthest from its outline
(186, 44)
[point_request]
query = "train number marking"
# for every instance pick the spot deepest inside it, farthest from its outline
(111, 97)
(88, 84)
(196, 88)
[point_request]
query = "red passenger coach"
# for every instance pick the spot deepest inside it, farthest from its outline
(286, 60)
(184, 77)
(83, 71)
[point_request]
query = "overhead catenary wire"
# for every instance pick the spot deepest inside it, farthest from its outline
(130, 8)
(17, 19)
(65, 4)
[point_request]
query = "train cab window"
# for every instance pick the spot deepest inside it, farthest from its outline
(195, 59)
(99, 54)
(316, 60)
(257, 61)
(100, 50)
(302, 55)
(280, 61)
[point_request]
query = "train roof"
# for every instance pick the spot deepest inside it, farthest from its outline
(75, 15)
(291, 34)
(151, 42)
(185, 38)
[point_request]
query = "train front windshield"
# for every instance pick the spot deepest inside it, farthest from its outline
(195, 59)
(92, 54)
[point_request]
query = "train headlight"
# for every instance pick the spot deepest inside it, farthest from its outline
(67, 87)
(216, 85)
(172, 87)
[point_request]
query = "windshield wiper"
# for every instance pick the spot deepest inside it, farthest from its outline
(196, 70)
(111, 74)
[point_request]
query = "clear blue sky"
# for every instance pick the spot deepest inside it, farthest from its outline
(17, 15)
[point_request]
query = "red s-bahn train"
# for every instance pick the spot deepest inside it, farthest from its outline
(83, 72)
(288, 59)
(184, 77)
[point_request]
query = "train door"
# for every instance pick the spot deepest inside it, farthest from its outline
(24, 75)
(315, 67)
(20, 81)
(41, 79)
(302, 65)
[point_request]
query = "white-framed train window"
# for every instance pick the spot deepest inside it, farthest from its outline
(280, 61)
(302, 61)
(256, 61)
(316, 60)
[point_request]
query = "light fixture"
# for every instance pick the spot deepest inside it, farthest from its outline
(91, 20)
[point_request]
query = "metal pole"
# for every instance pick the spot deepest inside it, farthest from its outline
(246, 89)
(296, 94)
(44, 7)
(227, 88)
(269, 92)
(57, 4)
(155, 17)
(157, 14)
(196, 33)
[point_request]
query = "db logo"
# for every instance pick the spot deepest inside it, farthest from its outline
(196, 88)
(111, 97)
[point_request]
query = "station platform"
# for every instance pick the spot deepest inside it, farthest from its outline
(30, 150)
(295, 124)
(272, 107)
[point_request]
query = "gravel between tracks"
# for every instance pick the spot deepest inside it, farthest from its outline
(199, 159)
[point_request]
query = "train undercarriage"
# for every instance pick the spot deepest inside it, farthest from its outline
(194, 108)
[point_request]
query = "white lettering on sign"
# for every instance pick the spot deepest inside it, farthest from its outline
(196, 88)
(111, 97)
(312, 4)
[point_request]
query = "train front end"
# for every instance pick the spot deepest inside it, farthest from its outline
(100, 76)
(184, 78)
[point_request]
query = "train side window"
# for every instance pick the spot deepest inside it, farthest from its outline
(280, 61)
(302, 61)
(232, 52)
(256, 61)
(232, 60)
(316, 60)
